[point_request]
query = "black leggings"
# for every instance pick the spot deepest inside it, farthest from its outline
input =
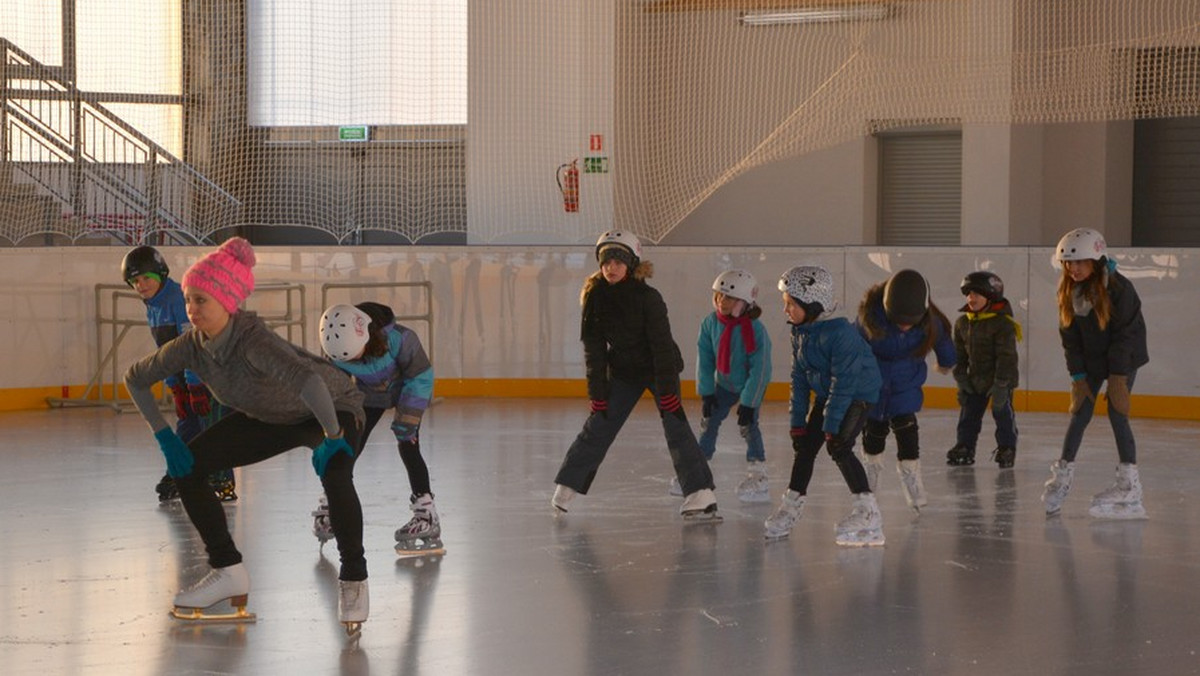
(238, 440)
(410, 454)
(840, 447)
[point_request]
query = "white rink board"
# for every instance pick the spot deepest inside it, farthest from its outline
(509, 312)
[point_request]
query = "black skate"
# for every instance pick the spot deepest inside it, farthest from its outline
(961, 455)
(166, 489)
(1005, 456)
(223, 485)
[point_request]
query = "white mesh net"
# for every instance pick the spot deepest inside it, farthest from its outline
(516, 121)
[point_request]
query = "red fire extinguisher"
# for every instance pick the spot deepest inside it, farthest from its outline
(568, 183)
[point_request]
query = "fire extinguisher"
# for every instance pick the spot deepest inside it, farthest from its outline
(568, 183)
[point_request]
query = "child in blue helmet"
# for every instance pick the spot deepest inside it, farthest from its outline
(831, 365)
(902, 325)
(145, 270)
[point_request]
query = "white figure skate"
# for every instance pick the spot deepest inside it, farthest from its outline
(354, 604)
(1058, 485)
(422, 535)
(700, 506)
(779, 525)
(675, 490)
(231, 583)
(873, 464)
(864, 525)
(562, 497)
(755, 488)
(322, 526)
(910, 481)
(1123, 499)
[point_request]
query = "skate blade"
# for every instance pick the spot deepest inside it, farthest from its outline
(198, 615)
(775, 538)
(755, 498)
(1119, 514)
(702, 517)
(860, 540)
(433, 549)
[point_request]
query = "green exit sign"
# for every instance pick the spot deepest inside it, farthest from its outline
(595, 165)
(356, 132)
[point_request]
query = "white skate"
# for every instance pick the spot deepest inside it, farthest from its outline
(873, 464)
(423, 533)
(354, 604)
(322, 526)
(779, 525)
(1123, 499)
(1058, 485)
(231, 583)
(700, 506)
(675, 489)
(864, 525)
(562, 496)
(910, 481)
(755, 488)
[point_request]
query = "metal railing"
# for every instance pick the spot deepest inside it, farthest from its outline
(110, 177)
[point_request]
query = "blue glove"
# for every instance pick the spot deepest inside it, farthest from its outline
(326, 450)
(179, 457)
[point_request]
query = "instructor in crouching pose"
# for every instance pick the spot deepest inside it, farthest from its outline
(284, 398)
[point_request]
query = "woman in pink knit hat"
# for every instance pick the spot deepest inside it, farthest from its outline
(283, 397)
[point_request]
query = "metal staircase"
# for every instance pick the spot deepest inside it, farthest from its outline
(70, 168)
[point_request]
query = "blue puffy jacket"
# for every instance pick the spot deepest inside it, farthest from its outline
(831, 361)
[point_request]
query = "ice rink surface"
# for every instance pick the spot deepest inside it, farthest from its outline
(981, 582)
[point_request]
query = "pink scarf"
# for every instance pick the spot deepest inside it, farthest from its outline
(724, 348)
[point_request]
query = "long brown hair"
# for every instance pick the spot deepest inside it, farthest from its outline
(1094, 291)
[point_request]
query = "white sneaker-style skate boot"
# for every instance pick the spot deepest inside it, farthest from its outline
(1058, 485)
(1123, 499)
(230, 582)
(754, 488)
(354, 604)
(864, 525)
(779, 525)
(562, 496)
(675, 489)
(700, 506)
(423, 532)
(322, 526)
(910, 481)
(873, 464)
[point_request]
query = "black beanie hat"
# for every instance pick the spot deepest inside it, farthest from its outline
(906, 297)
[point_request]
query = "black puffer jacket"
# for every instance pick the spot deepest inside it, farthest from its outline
(1117, 349)
(986, 344)
(626, 335)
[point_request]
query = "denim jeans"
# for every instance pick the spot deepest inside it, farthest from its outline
(1126, 447)
(970, 420)
(727, 401)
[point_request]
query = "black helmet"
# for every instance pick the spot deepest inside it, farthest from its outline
(906, 297)
(143, 260)
(987, 284)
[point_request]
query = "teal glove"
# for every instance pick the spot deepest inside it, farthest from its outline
(179, 457)
(328, 448)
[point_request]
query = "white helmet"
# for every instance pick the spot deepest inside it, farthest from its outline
(1081, 244)
(344, 332)
(809, 284)
(625, 239)
(737, 284)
